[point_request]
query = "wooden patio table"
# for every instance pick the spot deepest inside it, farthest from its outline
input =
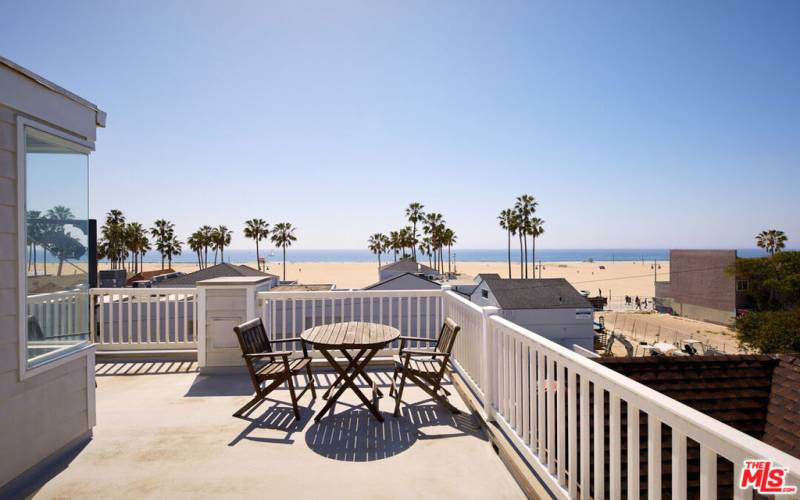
(365, 338)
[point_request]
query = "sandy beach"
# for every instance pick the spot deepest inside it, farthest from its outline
(614, 279)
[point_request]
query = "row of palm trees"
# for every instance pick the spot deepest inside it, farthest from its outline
(47, 231)
(217, 238)
(520, 221)
(207, 237)
(436, 236)
(124, 243)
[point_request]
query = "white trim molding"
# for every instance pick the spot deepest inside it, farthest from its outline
(80, 349)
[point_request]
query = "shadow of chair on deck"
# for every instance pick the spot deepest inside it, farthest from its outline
(354, 435)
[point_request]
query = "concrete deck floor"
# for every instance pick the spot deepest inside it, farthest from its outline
(165, 431)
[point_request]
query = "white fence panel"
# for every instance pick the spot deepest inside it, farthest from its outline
(144, 318)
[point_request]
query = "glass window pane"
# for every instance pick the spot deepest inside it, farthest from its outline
(57, 229)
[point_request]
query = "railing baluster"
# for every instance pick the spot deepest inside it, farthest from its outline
(561, 423)
(572, 431)
(541, 389)
(585, 446)
(678, 465)
(653, 458)
(551, 415)
(633, 452)
(599, 438)
(614, 446)
(708, 473)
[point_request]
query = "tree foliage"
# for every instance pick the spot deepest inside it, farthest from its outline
(773, 287)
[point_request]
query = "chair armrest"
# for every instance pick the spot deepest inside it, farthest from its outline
(294, 339)
(272, 354)
(418, 339)
(423, 352)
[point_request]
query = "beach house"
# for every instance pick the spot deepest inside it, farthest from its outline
(405, 281)
(47, 378)
(551, 307)
(407, 266)
(533, 418)
(701, 287)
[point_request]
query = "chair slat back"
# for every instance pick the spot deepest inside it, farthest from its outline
(252, 337)
(447, 336)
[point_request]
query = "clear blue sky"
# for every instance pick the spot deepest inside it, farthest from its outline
(635, 124)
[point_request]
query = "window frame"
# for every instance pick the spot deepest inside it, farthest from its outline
(80, 349)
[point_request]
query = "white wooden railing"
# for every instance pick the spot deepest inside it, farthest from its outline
(144, 318)
(60, 315)
(581, 426)
(416, 313)
(556, 406)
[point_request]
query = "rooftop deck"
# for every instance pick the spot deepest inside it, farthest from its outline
(166, 431)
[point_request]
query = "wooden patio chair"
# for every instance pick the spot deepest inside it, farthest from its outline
(425, 367)
(269, 369)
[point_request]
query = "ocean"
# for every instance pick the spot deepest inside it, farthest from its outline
(460, 255)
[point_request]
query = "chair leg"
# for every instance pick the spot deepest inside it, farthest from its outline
(253, 402)
(290, 383)
(399, 395)
(310, 378)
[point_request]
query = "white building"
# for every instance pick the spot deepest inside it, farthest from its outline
(47, 388)
(550, 307)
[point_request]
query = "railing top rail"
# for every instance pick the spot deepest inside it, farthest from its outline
(466, 303)
(725, 440)
(344, 294)
(143, 291)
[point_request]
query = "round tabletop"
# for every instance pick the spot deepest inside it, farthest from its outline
(350, 335)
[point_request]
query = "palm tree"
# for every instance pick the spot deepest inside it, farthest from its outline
(195, 243)
(60, 215)
(283, 236)
(434, 227)
(414, 214)
(771, 240)
(507, 222)
(449, 239)
(257, 230)
(525, 207)
(172, 247)
(377, 244)
(112, 242)
(34, 227)
(537, 229)
(163, 232)
(222, 238)
(207, 239)
(134, 240)
(394, 242)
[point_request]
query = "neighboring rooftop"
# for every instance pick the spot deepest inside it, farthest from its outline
(422, 280)
(148, 275)
(299, 287)
(409, 266)
(486, 276)
(549, 293)
(756, 394)
(224, 270)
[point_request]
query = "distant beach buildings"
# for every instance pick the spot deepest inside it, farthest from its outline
(701, 287)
